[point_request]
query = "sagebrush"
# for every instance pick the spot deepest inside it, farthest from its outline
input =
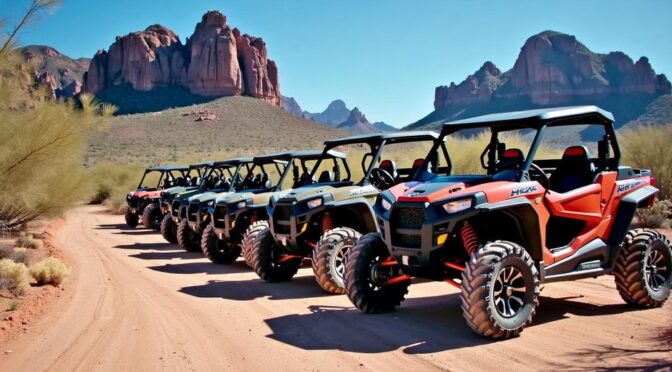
(647, 146)
(49, 271)
(14, 277)
(29, 241)
(656, 216)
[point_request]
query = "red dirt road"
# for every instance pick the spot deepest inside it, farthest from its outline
(137, 303)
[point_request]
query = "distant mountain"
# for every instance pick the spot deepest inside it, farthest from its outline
(290, 105)
(336, 113)
(552, 69)
(357, 123)
(381, 126)
(657, 113)
(62, 74)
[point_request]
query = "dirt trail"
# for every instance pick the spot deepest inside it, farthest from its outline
(137, 303)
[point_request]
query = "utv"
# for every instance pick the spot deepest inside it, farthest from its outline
(233, 217)
(528, 218)
(149, 189)
(189, 238)
(322, 221)
(217, 177)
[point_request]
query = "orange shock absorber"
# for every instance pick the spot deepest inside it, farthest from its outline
(327, 223)
(469, 238)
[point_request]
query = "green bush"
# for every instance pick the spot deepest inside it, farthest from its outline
(646, 146)
(14, 277)
(14, 305)
(656, 216)
(49, 271)
(111, 182)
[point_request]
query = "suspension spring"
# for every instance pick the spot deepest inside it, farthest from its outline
(327, 223)
(253, 218)
(469, 238)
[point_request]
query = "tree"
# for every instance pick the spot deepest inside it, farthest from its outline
(42, 141)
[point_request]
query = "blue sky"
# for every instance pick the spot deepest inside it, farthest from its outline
(386, 57)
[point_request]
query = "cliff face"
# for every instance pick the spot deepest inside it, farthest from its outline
(554, 69)
(60, 74)
(216, 61)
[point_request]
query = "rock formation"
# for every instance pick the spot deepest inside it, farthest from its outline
(357, 123)
(553, 69)
(216, 61)
(60, 74)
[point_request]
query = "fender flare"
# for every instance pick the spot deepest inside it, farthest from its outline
(526, 216)
(626, 212)
(362, 208)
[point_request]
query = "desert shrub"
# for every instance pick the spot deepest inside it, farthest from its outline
(14, 305)
(656, 216)
(29, 241)
(49, 271)
(42, 140)
(13, 277)
(21, 255)
(646, 146)
(111, 182)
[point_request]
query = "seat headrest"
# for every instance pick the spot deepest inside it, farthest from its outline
(387, 164)
(576, 152)
(325, 176)
(513, 154)
(417, 163)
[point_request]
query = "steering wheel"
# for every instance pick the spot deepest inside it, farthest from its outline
(381, 179)
(540, 176)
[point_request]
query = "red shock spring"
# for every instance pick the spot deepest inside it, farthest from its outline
(253, 218)
(327, 223)
(469, 238)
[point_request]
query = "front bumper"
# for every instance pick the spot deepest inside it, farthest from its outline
(227, 219)
(197, 216)
(289, 221)
(411, 231)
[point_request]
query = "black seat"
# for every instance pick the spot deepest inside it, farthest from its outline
(325, 176)
(390, 167)
(575, 170)
(511, 159)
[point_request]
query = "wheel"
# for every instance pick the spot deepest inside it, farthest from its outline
(218, 251)
(643, 268)
(500, 290)
(265, 256)
(248, 239)
(131, 218)
(152, 217)
(329, 258)
(187, 238)
(366, 277)
(169, 229)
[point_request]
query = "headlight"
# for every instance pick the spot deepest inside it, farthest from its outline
(385, 204)
(241, 204)
(314, 203)
(457, 205)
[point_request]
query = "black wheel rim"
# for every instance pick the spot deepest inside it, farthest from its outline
(337, 261)
(379, 274)
(657, 269)
(509, 291)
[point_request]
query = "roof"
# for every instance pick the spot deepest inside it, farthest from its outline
(401, 136)
(211, 163)
(164, 168)
(574, 115)
(299, 154)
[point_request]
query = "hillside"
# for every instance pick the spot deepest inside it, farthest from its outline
(239, 126)
(657, 113)
(64, 73)
(552, 69)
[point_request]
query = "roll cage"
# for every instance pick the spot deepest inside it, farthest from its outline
(536, 122)
(169, 175)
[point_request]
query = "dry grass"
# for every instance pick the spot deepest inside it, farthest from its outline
(657, 216)
(647, 146)
(13, 277)
(244, 126)
(19, 255)
(49, 271)
(29, 241)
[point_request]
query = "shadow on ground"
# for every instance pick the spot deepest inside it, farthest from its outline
(247, 290)
(206, 267)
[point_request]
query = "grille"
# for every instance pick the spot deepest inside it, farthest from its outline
(220, 215)
(133, 203)
(281, 218)
(408, 217)
(406, 240)
(175, 209)
(192, 212)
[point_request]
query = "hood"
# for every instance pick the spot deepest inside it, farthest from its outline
(207, 196)
(306, 192)
(145, 193)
